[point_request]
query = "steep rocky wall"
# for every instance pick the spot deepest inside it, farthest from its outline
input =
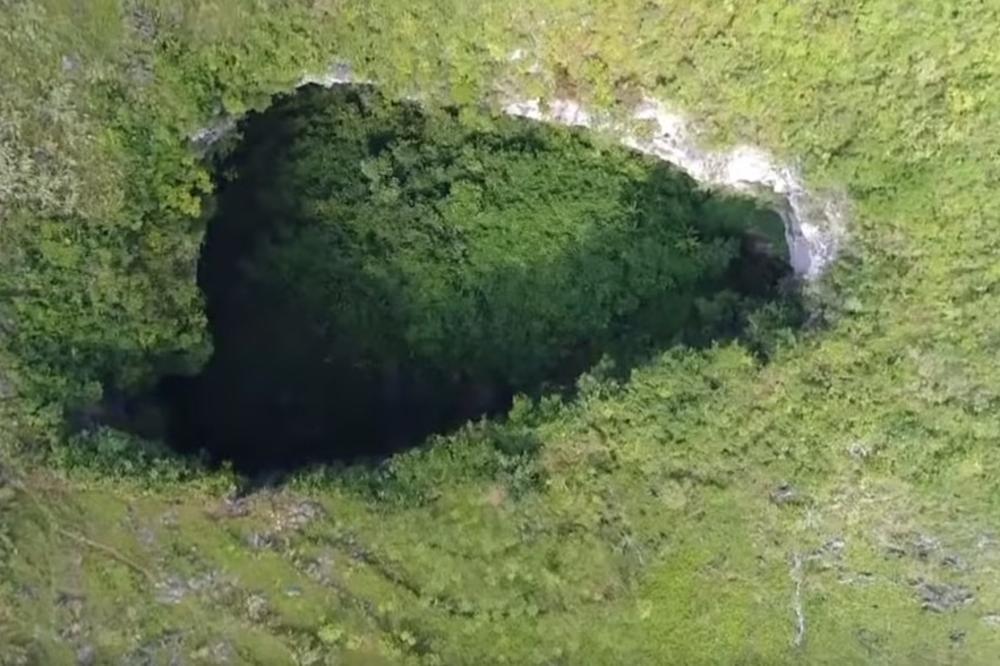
(815, 223)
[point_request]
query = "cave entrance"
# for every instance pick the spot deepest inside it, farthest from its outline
(376, 272)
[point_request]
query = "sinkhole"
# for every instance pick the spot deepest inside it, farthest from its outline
(376, 272)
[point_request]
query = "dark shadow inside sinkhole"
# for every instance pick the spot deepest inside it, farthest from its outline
(375, 273)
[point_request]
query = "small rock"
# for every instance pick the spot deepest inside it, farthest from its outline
(72, 631)
(954, 562)
(71, 63)
(86, 656)
(169, 518)
(301, 514)
(986, 542)
(321, 569)
(171, 591)
(834, 547)
(942, 597)
(205, 137)
(235, 508)
(870, 641)
(164, 649)
(221, 653)
(207, 582)
(991, 620)
(785, 494)
(29, 592)
(853, 306)
(145, 23)
(924, 545)
(140, 72)
(212, 585)
(957, 636)
(859, 451)
(261, 540)
(256, 607)
(7, 390)
(146, 536)
(860, 578)
(916, 545)
(68, 599)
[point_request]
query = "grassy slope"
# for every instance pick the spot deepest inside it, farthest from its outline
(644, 530)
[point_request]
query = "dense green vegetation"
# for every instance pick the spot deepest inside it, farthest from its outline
(375, 273)
(691, 512)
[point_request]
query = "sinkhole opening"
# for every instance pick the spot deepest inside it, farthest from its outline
(376, 272)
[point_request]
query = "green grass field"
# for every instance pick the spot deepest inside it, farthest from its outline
(836, 504)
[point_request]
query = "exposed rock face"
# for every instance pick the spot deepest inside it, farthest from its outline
(814, 223)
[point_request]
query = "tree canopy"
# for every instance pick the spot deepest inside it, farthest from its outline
(375, 270)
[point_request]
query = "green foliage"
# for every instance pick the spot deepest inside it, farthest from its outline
(499, 251)
(99, 192)
(113, 453)
(373, 261)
